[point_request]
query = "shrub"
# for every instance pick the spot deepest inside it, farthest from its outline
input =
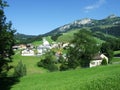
(20, 70)
(48, 62)
(61, 59)
(52, 67)
(104, 62)
(64, 67)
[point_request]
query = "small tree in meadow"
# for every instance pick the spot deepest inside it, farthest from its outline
(20, 70)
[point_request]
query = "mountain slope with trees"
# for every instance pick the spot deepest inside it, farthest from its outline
(110, 21)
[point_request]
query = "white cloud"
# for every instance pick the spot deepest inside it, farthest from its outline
(94, 6)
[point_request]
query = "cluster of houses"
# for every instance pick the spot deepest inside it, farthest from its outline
(29, 50)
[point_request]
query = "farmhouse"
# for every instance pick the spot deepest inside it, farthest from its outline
(97, 60)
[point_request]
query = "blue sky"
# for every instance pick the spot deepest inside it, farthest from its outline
(34, 17)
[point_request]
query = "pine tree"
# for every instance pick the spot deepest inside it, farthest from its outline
(6, 39)
(20, 70)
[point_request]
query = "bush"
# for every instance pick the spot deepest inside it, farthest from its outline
(52, 67)
(20, 70)
(48, 62)
(104, 62)
(61, 59)
(64, 67)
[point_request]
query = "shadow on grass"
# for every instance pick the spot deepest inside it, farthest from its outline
(6, 83)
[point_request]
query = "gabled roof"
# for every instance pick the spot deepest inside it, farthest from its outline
(97, 57)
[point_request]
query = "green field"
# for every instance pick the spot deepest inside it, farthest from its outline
(98, 78)
(116, 52)
(37, 43)
(30, 62)
(115, 59)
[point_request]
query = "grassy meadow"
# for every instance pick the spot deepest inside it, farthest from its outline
(29, 61)
(116, 52)
(115, 59)
(98, 78)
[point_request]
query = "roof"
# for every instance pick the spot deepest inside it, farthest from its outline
(97, 57)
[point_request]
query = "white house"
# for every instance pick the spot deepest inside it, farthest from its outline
(27, 52)
(45, 42)
(97, 60)
(44, 47)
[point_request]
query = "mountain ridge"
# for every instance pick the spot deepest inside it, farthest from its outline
(109, 25)
(86, 22)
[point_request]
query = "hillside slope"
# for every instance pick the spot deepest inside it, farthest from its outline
(98, 78)
(68, 36)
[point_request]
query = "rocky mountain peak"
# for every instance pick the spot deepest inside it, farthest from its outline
(83, 21)
(86, 22)
(112, 16)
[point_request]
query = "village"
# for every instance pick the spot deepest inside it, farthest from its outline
(30, 50)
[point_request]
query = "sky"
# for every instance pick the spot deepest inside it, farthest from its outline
(35, 17)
